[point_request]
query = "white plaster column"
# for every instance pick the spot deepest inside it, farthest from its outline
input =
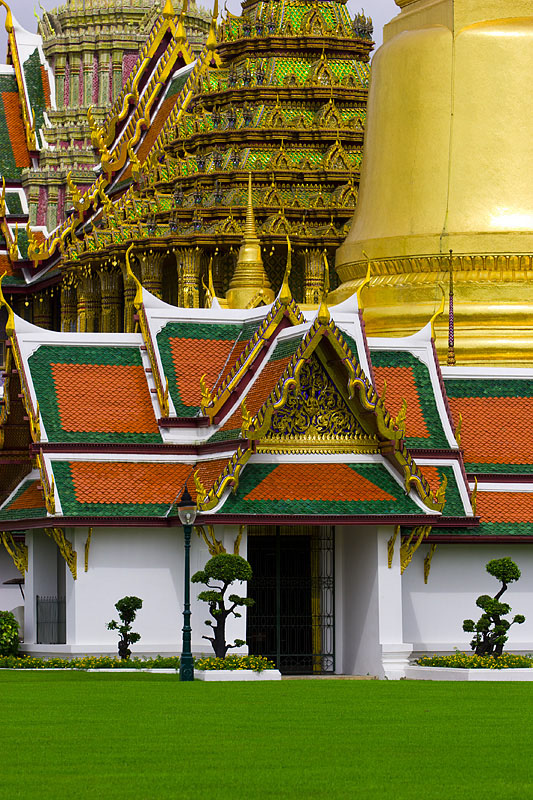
(30, 624)
(369, 610)
(394, 651)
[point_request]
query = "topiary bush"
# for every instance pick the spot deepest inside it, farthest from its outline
(490, 631)
(225, 568)
(9, 634)
(127, 609)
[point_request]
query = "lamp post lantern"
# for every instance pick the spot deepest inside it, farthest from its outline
(187, 513)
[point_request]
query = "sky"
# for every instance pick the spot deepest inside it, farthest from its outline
(381, 12)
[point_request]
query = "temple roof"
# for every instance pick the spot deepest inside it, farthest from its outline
(496, 408)
(241, 403)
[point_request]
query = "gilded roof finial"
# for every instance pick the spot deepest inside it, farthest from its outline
(9, 16)
(168, 10)
(451, 319)
(249, 228)
(323, 311)
(211, 42)
(10, 324)
(285, 295)
(249, 278)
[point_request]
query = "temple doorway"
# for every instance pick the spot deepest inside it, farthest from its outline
(292, 621)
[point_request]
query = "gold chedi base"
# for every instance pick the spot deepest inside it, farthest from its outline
(447, 166)
(493, 305)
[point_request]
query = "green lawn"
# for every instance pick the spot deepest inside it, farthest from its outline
(76, 735)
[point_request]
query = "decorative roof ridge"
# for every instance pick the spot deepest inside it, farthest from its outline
(388, 429)
(228, 479)
(25, 383)
(165, 21)
(204, 61)
(28, 118)
(162, 389)
(212, 404)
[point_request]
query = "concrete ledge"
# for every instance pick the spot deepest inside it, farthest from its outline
(237, 675)
(416, 673)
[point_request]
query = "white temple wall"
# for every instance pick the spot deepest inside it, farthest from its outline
(146, 562)
(41, 578)
(10, 596)
(369, 620)
(434, 613)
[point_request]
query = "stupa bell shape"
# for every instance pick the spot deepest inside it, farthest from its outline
(448, 165)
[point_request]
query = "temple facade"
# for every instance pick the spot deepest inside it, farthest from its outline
(366, 479)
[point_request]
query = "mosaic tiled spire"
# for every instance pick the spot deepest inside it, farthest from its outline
(280, 92)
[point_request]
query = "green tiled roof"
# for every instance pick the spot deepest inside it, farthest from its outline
(192, 371)
(71, 506)
(491, 387)
(254, 474)
(8, 513)
(8, 166)
(41, 363)
(454, 505)
(489, 529)
(428, 406)
(33, 75)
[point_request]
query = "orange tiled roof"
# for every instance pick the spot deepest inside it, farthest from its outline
(495, 430)
(31, 497)
(432, 475)
(15, 128)
(401, 384)
(308, 482)
(129, 482)
(259, 392)
(195, 357)
(103, 398)
(497, 507)
(46, 86)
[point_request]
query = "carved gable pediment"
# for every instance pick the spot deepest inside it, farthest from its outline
(316, 419)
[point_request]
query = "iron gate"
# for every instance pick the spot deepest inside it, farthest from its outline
(292, 621)
(51, 620)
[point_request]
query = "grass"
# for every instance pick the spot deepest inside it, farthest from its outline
(140, 736)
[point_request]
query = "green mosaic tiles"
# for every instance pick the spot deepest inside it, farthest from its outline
(188, 371)
(112, 407)
(426, 397)
(8, 149)
(27, 503)
(33, 76)
(71, 506)
(492, 387)
(284, 498)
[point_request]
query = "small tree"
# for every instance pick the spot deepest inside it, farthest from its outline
(225, 568)
(9, 634)
(490, 631)
(127, 609)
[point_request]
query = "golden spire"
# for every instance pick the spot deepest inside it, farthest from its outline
(285, 293)
(168, 10)
(249, 280)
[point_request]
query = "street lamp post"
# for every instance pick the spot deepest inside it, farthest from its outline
(187, 514)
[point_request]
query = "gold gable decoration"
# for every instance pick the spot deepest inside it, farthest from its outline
(316, 419)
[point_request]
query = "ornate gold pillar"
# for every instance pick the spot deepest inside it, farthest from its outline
(88, 66)
(75, 80)
(59, 71)
(130, 290)
(111, 290)
(152, 272)
(69, 306)
(42, 310)
(189, 261)
(313, 276)
(89, 302)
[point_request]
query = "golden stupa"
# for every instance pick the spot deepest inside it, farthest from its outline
(448, 165)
